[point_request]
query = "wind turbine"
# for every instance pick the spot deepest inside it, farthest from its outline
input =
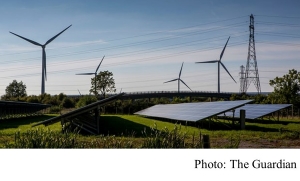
(79, 92)
(44, 73)
(179, 80)
(95, 73)
(219, 62)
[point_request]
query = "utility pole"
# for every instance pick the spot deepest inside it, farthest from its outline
(251, 74)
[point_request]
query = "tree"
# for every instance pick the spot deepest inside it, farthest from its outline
(287, 87)
(15, 90)
(105, 83)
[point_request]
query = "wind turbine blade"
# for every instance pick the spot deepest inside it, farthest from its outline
(44, 63)
(212, 61)
(56, 36)
(31, 41)
(86, 74)
(223, 49)
(99, 64)
(185, 84)
(227, 71)
(180, 70)
(171, 80)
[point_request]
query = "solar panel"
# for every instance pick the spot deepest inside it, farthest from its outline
(191, 111)
(254, 111)
(10, 109)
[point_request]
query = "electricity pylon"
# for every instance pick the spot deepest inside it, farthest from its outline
(251, 73)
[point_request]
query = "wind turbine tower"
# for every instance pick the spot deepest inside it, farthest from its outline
(251, 73)
(179, 80)
(44, 72)
(219, 62)
(242, 78)
(93, 73)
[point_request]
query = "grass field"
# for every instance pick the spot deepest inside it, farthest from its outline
(131, 131)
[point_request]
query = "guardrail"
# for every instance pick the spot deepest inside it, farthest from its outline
(166, 92)
(152, 94)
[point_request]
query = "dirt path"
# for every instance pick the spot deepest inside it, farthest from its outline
(266, 143)
(257, 143)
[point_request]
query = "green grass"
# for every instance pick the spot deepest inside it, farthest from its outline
(261, 128)
(10, 126)
(127, 131)
(221, 135)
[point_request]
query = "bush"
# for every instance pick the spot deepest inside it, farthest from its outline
(55, 109)
(86, 100)
(67, 103)
(32, 99)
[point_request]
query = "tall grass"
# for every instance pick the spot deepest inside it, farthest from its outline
(174, 138)
(165, 138)
(109, 142)
(40, 138)
(234, 143)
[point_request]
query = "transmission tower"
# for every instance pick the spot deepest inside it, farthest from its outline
(251, 73)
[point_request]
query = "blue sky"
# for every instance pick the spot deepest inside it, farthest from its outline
(145, 43)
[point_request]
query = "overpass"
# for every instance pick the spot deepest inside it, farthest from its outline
(171, 94)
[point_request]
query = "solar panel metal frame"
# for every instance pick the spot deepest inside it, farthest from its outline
(191, 111)
(258, 110)
(79, 111)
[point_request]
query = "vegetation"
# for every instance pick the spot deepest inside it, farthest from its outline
(105, 84)
(165, 138)
(14, 91)
(43, 139)
(287, 87)
(85, 100)
(129, 131)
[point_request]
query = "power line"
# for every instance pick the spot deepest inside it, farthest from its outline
(125, 62)
(293, 17)
(130, 37)
(279, 43)
(279, 24)
(277, 34)
(136, 43)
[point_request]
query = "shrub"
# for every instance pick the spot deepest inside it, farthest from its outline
(86, 100)
(32, 99)
(55, 109)
(67, 103)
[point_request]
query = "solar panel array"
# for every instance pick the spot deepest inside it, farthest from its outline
(11, 109)
(254, 111)
(191, 111)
